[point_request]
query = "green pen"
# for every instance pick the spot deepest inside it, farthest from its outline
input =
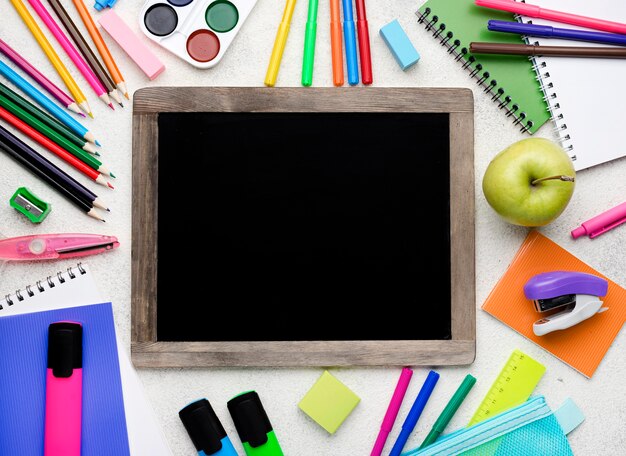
(309, 44)
(449, 411)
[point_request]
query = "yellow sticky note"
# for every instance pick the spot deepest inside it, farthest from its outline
(329, 402)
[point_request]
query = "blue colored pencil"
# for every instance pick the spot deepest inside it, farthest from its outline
(349, 33)
(46, 103)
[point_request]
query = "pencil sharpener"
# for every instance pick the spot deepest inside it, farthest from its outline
(575, 294)
(27, 203)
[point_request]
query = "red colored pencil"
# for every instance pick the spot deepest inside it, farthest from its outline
(364, 43)
(54, 148)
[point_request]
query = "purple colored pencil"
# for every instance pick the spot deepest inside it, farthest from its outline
(41, 79)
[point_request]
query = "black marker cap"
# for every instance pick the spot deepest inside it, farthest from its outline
(250, 419)
(65, 348)
(203, 426)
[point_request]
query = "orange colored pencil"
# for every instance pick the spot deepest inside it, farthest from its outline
(103, 50)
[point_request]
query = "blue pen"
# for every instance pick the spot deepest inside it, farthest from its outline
(415, 412)
(46, 103)
(554, 32)
(349, 34)
(205, 430)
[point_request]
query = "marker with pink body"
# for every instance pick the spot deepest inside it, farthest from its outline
(64, 389)
(392, 411)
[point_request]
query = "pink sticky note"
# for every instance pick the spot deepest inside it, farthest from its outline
(132, 44)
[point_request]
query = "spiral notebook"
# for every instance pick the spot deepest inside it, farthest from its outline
(75, 288)
(510, 81)
(586, 96)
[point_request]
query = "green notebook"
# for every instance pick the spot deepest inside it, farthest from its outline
(509, 80)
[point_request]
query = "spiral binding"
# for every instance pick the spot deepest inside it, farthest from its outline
(540, 67)
(40, 286)
(475, 69)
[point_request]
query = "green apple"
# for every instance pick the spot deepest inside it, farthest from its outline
(530, 182)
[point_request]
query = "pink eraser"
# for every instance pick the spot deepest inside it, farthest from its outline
(130, 42)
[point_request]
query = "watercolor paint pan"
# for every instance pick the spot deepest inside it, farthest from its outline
(197, 31)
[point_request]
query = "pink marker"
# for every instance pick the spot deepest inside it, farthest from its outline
(392, 411)
(64, 389)
(558, 16)
(71, 51)
(602, 223)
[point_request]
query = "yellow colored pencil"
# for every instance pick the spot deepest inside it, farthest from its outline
(45, 45)
(279, 44)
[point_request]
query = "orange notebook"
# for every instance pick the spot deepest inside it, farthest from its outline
(582, 346)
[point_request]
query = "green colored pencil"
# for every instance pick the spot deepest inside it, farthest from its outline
(309, 44)
(46, 118)
(55, 136)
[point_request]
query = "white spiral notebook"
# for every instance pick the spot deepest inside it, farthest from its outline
(73, 287)
(586, 96)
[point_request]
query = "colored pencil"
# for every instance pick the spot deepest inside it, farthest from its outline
(309, 44)
(279, 44)
(45, 102)
(48, 172)
(41, 79)
(15, 111)
(85, 49)
(365, 52)
(7, 94)
(52, 56)
(335, 42)
(53, 147)
(101, 46)
(71, 51)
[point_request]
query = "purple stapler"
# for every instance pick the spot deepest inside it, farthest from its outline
(577, 293)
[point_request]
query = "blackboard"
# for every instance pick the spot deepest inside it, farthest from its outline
(310, 228)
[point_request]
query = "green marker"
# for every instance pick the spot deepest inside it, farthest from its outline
(253, 425)
(449, 411)
(309, 44)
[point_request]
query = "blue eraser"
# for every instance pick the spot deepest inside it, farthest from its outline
(399, 44)
(101, 4)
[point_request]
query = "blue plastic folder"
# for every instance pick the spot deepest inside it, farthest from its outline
(24, 342)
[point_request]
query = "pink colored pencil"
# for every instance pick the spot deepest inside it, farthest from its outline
(71, 51)
(41, 79)
(392, 411)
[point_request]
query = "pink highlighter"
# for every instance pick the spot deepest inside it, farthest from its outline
(64, 389)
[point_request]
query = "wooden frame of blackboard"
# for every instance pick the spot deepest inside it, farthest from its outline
(148, 351)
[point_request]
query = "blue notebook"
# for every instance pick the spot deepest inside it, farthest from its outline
(24, 342)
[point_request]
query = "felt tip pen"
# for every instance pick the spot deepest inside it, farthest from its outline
(554, 32)
(309, 44)
(448, 412)
(253, 425)
(415, 412)
(364, 43)
(349, 35)
(64, 389)
(392, 411)
(602, 223)
(206, 430)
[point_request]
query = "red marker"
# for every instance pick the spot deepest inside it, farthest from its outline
(364, 43)
(64, 389)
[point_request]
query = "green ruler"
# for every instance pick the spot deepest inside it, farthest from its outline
(514, 385)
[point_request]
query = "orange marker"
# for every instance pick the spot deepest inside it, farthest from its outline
(336, 43)
(103, 50)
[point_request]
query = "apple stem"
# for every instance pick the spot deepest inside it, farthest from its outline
(563, 178)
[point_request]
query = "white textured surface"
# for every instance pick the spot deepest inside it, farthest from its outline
(602, 399)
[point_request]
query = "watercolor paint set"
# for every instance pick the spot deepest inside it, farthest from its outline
(198, 31)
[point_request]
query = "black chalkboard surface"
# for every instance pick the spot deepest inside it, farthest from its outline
(303, 227)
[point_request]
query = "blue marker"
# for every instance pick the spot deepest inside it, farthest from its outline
(206, 431)
(415, 412)
(349, 34)
(45, 102)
